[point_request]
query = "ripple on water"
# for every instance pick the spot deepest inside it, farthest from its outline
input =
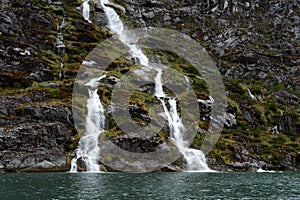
(150, 186)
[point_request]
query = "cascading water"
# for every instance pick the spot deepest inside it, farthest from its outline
(60, 45)
(116, 26)
(88, 149)
(195, 159)
(86, 10)
(159, 92)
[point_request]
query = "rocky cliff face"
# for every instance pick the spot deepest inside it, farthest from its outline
(255, 45)
(42, 45)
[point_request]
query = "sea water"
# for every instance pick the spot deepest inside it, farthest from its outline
(170, 185)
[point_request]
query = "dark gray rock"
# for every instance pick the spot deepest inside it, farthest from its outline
(287, 124)
(34, 146)
(286, 98)
(10, 24)
(136, 145)
(248, 116)
(100, 18)
(297, 161)
(46, 113)
(21, 56)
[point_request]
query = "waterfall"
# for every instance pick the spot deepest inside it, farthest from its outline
(195, 159)
(116, 26)
(60, 45)
(159, 92)
(88, 149)
(251, 95)
(86, 10)
(60, 71)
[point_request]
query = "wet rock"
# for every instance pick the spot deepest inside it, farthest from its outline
(81, 165)
(103, 168)
(171, 168)
(100, 18)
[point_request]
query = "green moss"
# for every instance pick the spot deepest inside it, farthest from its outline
(273, 106)
(142, 100)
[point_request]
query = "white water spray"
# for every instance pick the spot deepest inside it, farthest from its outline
(60, 45)
(159, 92)
(251, 95)
(195, 159)
(116, 26)
(86, 10)
(88, 149)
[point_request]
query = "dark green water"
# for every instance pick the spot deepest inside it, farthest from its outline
(150, 186)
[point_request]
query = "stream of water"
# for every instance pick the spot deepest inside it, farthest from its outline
(88, 149)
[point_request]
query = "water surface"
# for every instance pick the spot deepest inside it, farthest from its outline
(150, 186)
